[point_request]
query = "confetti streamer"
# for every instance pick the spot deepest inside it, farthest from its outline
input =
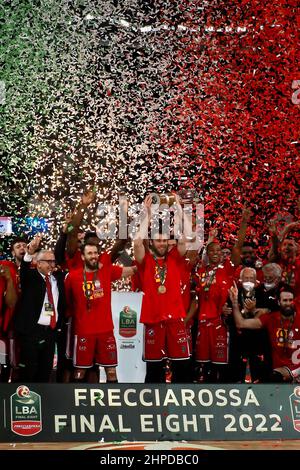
(141, 96)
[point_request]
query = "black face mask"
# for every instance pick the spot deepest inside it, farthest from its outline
(287, 311)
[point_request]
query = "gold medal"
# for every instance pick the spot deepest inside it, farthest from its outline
(162, 289)
(160, 276)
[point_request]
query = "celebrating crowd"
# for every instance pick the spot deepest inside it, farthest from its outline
(209, 313)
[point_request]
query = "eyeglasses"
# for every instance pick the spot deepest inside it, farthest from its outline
(52, 261)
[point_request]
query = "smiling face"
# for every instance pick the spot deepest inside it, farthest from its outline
(226, 254)
(271, 276)
(45, 262)
(286, 303)
(159, 245)
(90, 256)
(288, 248)
(248, 255)
(19, 250)
(214, 254)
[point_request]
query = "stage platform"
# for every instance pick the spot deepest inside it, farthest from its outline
(153, 446)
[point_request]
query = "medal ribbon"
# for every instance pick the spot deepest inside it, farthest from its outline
(160, 272)
(87, 291)
(208, 281)
(283, 334)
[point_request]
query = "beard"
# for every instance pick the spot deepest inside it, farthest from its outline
(287, 311)
(91, 264)
(158, 253)
(214, 259)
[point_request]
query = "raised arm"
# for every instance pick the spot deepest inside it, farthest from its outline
(119, 245)
(142, 234)
(75, 222)
(60, 246)
(183, 225)
(10, 295)
(212, 235)
(237, 249)
(288, 228)
(273, 255)
(117, 249)
(32, 247)
(129, 271)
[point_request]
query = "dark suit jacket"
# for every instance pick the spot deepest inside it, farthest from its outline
(33, 289)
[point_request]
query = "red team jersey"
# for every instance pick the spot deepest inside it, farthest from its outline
(76, 262)
(284, 337)
(7, 313)
(291, 275)
(158, 307)
(213, 285)
(98, 318)
(185, 278)
(136, 282)
(185, 269)
(2, 303)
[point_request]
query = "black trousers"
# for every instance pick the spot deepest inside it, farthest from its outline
(181, 371)
(155, 372)
(251, 345)
(37, 353)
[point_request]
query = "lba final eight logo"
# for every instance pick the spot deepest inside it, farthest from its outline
(25, 409)
(295, 408)
(127, 322)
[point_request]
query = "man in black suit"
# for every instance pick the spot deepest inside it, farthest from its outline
(39, 314)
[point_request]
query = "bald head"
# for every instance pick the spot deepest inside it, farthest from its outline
(248, 275)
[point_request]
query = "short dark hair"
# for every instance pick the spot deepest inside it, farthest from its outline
(212, 243)
(89, 235)
(82, 248)
(251, 244)
(17, 240)
(286, 288)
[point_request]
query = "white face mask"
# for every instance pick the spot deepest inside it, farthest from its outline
(269, 285)
(248, 285)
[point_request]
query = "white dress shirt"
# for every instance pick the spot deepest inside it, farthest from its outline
(45, 318)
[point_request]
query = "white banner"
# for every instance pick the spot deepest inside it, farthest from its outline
(5, 226)
(126, 311)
